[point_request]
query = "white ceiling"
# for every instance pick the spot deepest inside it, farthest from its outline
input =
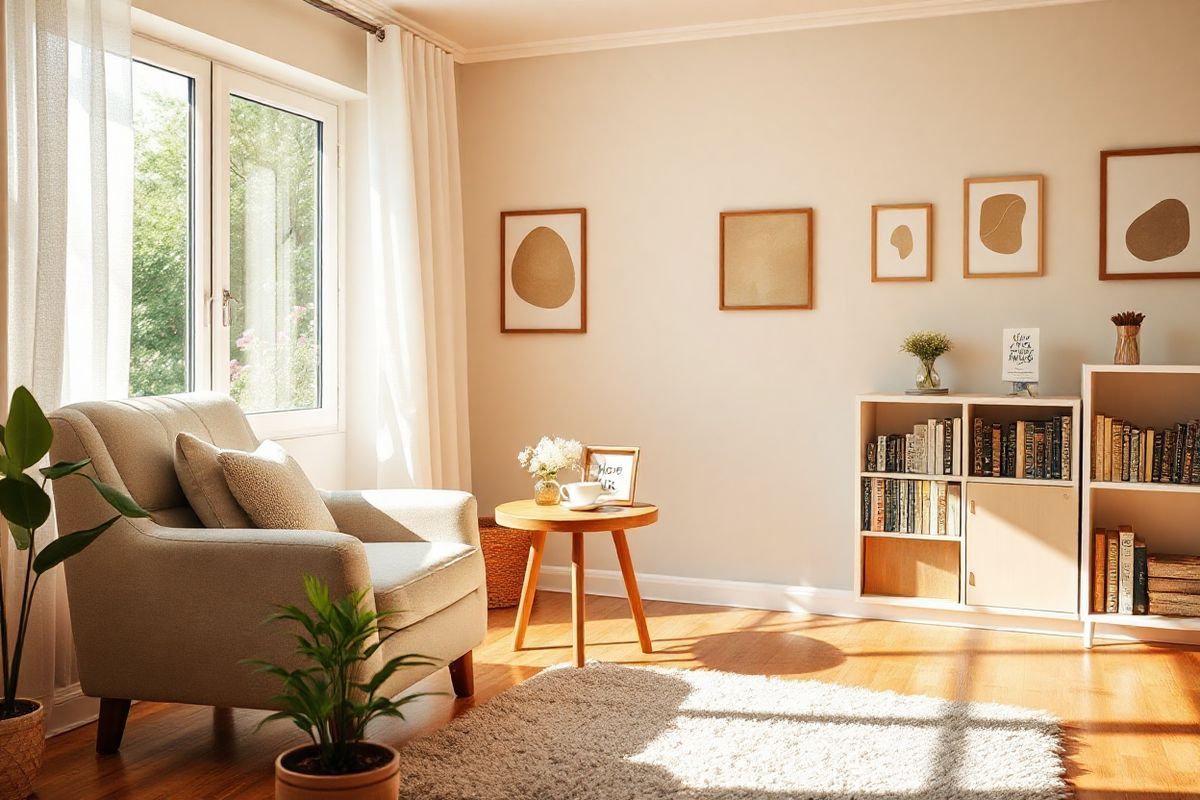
(483, 30)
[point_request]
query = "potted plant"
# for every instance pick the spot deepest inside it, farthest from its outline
(545, 461)
(332, 701)
(927, 346)
(25, 506)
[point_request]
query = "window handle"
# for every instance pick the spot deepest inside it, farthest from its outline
(226, 312)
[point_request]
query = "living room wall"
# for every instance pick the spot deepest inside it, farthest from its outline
(745, 419)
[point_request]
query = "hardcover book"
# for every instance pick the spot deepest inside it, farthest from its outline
(1141, 596)
(1111, 571)
(1099, 570)
(1125, 570)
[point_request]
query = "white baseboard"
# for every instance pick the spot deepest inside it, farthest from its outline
(72, 708)
(830, 602)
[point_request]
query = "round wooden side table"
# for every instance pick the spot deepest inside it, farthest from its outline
(542, 520)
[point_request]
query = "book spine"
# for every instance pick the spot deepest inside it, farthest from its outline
(1098, 448)
(1065, 448)
(877, 504)
(956, 447)
(953, 509)
(941, 508)
(1125, 575)
(1179, 585)
(1189, 451)
(1109, 425)
(1010, 450)
(946, 442)
(1135, 449)
(1196, 447)
(1176, 465)
(1125, 434)
(977, 447)
(865, 506)
(1111, 571)
(1055, 437)
(1157, 460)
(1174, 605)
(870, 461)
(1099, 559)
(1187, 567)
(997, 450)
(1039, 451)
(1141, 594)
(1027, 449)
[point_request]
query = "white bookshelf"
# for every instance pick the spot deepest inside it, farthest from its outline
(938, 572)
(1165, 515)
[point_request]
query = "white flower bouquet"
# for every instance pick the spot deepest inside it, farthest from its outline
(549, 456)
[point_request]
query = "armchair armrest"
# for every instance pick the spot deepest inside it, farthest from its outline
(406, 515)
(170, 613)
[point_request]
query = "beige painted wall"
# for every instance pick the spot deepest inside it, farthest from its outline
(286, 30)
(745, 418)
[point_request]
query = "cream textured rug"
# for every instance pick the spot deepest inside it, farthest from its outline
(608, 732)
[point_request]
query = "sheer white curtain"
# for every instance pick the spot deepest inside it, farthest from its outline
(417, 423)
(70, 205)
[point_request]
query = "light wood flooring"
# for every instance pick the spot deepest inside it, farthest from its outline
(1132, 711)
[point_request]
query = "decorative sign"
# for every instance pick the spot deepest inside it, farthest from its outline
(1020, 355)
(615, 468)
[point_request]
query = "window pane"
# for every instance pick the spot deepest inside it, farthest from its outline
(274, 252)
(162, 225)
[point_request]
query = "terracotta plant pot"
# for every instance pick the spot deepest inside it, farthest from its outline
(381, 783)
(22, 742)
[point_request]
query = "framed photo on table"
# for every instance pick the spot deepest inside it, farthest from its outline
(615, 468)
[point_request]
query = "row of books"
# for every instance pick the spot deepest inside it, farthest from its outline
(933, 448)
(922, 507)
(1038, 450)
(1125, 452)
(1128, 580)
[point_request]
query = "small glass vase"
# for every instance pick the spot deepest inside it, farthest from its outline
(545, 492)
(927, 376)
(1129, 347)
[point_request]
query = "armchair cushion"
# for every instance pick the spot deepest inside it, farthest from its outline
(415, 580)
(273, 490)
(204, 485)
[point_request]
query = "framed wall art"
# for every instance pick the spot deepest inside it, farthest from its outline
(615, 468)
(543, 271)
(1149, 208)
(1003, 227)
(901, 242)
(766, 259)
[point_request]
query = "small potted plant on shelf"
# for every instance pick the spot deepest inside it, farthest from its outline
(332, 700)
(927, 346)
(26, 506)
(545, 461)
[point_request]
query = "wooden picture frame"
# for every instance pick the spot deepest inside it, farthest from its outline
(905, 211)
(549, 255)
(632, 454)
(1188, 186)
(768, 251)
(1036, 191)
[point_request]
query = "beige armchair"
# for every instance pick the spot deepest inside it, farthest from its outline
(167, 610)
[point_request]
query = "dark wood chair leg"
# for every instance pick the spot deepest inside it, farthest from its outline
(462, 675)
(111, 726)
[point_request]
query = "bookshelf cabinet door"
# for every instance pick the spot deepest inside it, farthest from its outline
(1022, 547)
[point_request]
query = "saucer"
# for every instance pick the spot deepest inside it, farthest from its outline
(586, 507)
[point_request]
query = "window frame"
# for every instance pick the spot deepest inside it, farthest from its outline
(213, 82)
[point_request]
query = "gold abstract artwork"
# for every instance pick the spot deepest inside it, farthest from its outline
(543, 273)
(902, 240)
(1160, 232)
(766, 260)
(1000, 218)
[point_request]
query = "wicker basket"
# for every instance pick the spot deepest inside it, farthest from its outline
(22, 741)
(505, 553)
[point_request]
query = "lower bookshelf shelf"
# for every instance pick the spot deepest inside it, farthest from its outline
(925, 537)
(1145, 621)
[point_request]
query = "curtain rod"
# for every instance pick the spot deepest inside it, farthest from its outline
(369, 27)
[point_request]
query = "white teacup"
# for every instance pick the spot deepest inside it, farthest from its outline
(583, 493)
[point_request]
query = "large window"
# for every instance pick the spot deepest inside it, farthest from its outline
(235, 211)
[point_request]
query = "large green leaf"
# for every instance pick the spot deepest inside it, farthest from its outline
(64, 468)
(64, 547)
(27, 436)
(118, 499)
(23, 502)
(22, 537)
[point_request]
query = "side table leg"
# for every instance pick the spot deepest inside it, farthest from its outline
(631, 589)
(537, 546)
(577, 596)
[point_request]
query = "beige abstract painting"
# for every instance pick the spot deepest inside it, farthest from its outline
(766, 259)
(1150, 210)
(1003, 226)
(900, 242)
(543, 271)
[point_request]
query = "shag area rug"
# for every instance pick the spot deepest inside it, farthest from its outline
(608, 732)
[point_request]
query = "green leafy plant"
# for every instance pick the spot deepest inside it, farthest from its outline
(331, 699)
(25, 505)
(926, 345)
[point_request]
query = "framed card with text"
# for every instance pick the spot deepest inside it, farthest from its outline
(615, 468)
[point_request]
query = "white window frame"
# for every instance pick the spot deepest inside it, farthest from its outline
(213, 83)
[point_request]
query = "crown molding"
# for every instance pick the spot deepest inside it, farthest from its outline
(914, 9)
(381, 14)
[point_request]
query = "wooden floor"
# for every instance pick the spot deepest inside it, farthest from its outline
(1132, 711)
